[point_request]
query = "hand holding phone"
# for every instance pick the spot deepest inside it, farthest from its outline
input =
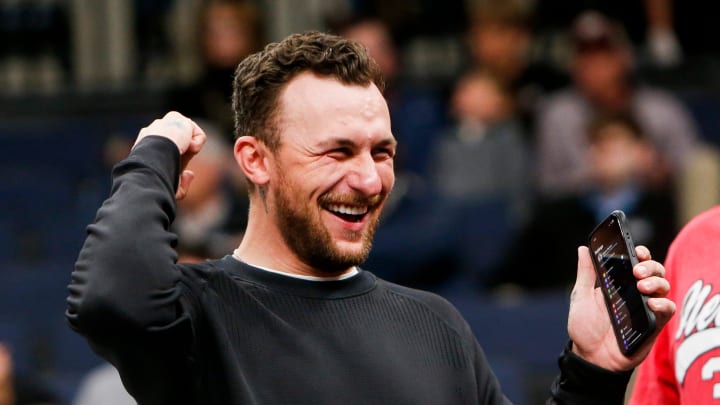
(613, 255)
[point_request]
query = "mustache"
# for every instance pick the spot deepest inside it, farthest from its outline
(354, 199)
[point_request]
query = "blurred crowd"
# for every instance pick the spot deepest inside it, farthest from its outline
(521, 124)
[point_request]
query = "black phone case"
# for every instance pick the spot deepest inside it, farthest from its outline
(630, 248)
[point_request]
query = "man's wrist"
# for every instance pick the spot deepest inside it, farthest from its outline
(160, 154)
(583, 382)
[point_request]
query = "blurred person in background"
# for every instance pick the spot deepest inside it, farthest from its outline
(229, 30)
(484, 155)
(500, 40)
(479, 161)
(602, 71)
(651, 25)
(619, 157)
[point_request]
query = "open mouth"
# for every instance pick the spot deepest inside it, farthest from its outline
(347, 212)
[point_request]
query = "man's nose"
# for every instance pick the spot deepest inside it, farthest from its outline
(364, 176)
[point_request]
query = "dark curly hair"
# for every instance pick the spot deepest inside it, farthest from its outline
(260, 77)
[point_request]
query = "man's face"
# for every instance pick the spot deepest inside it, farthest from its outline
(333, 171)
(616, 157)
(500, 47)
(228, 39)
(599, 71)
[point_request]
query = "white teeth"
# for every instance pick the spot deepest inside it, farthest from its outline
(347, 210)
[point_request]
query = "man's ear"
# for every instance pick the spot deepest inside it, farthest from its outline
(251, 156)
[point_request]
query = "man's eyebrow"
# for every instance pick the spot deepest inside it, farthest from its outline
(338, 142)
(389, 141)
(349, 143)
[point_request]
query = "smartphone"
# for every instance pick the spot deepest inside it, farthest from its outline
(613, 255)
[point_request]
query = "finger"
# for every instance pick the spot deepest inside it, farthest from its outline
(649, 268)
(198, 138)
(177, 122)
(643, 253)
(174, 115)
(186, 178)
(654, 286)
(585, 271)
(663, 308)
(173, 126)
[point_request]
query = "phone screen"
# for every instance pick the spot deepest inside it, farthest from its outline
(614, 258)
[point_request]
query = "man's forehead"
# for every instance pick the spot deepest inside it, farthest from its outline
(324, 98)
(318, 88)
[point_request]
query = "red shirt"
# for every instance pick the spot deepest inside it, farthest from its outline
(684, 365)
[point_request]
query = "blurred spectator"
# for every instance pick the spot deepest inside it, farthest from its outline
(411, 19)
(229, 31)
(602, 69)
(213, 215)
(417, 113)
(484, 155)
(428, 35)
(649, 24)
(435, 236)
(500, 39)
(102, 386)
(619, 156)
(16, 389)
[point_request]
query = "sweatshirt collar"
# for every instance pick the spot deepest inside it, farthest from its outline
(358, 284)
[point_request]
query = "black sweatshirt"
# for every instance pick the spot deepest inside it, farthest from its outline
(224, 332)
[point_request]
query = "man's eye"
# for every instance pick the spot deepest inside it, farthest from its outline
(383, 153)
(340, 153)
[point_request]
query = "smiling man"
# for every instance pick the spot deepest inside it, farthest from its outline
(334, 171)
(289, 317)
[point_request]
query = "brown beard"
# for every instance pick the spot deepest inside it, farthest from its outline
(308, 238)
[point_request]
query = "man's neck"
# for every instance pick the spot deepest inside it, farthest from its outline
(342, 276)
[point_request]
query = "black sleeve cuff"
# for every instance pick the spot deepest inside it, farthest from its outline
(581, 382)
(161, 155)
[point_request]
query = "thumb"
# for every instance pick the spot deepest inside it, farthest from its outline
(586, 276)
(186, 177)
(197, 139)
